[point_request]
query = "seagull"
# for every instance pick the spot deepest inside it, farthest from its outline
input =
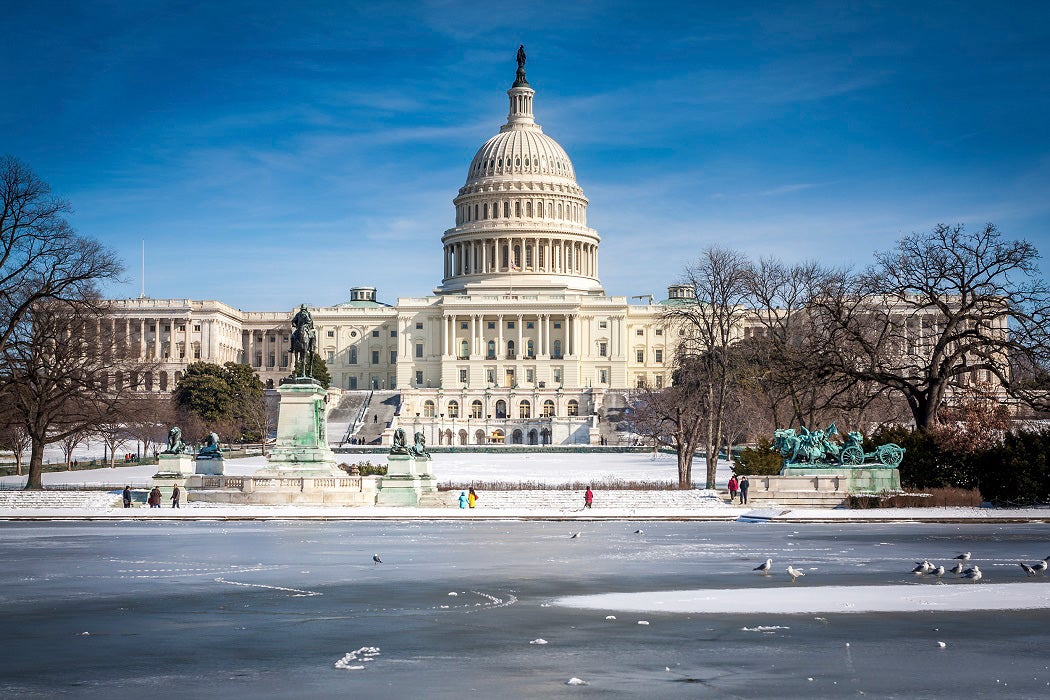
(638, 532)
(794, 573)
(764, 568)
(376, 559)
(974, 574)
(957, 569)
(1028, 571)
(965, 557)
(575, 535)
(923, 568)
(939, 571)
(1040, 566)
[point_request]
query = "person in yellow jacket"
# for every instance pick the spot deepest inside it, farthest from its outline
(472, 498)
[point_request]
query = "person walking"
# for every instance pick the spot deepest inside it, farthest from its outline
(472, 498)
(175, 494)
(462, 499)
(743, 489)
(154, 497)
(127, 496)
(588, 498)
(733, 484)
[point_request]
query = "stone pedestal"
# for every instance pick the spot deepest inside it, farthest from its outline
(210, 466)
(407, 478)
(302, 434)
(174, 466)
(860, 479)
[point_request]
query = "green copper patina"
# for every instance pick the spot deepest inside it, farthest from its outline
(816, 448)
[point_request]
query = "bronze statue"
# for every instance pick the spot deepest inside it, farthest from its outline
(420, 448)
(175, 444)
(304, 341)
(211, 448)
(519, 78)
(399, 447)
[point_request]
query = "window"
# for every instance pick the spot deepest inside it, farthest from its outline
(375, 357)
(524, 410)
(353, 355)
(603, 349)
(557, 348)
(393, 334)
(419, 349)
(476, 409)
(463, 376)
(453, 409)
(510, 349)
(659, 331)
(428, 408)
(375, 333)
(639, 356)
(603, 324)
(557, 374)
(419, 377)
(658, 355)
(510, 325)
(463, 326)
(491, 354)
(603, 376)
(639, 332)
(331, 334)
(331, 357)
(393, 357)
(548, 408)
(501, 409)
(490, 377)
(557, 324)
(530, 324)
(530, 375)
(196, 352)
(530, 349)
(573, 409)
(419, 325)
(197, 327)
(492, 325)
(659, 381)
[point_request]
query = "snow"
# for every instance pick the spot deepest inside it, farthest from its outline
(960, 596)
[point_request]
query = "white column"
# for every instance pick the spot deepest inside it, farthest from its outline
(500, 349)
(473, 335)
(521, 322)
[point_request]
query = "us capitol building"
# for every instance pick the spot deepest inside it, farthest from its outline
(518, 344)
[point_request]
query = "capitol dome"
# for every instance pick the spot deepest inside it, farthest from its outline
(521, 218)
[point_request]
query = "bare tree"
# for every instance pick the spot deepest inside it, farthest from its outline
(15, 438)
(147, 419)
(941, 312)
(63, 381)
(674, 415)
(711, 322)
(70, 443)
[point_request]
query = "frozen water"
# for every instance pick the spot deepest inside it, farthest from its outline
(166, 618)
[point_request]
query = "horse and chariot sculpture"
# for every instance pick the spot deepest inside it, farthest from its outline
(816, 448)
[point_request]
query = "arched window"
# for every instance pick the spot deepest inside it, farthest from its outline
(510, 348)
(501, 409)
(528, 256)
(464, 350)
(475, 212)
(530, 349)
(517, 437)
(573, 409)
(353, 354)
(163, 381)
(506, 210)
(517, 256)
(517, 209)
(453, 409)
(559, 210)
(495, 210)
(524, 409)
(528, 209)
(485, 210)
(532, 437)
(557, 348)
(506, 256)
(462, 437)
(476, 409)
(491, 354)
(548, 409)
(428, 408)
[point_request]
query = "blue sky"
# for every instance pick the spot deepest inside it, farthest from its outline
(275, 153)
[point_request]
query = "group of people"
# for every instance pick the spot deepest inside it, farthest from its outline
(468, 499)
(155, 497)
(738, 486)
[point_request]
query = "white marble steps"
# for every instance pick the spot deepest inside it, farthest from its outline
(58, 499)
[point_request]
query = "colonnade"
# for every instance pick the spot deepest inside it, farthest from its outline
(521, 253)
(544, 344)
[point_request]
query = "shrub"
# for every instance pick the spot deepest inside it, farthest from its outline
(365, 469)
(764, 460)
(934, 498)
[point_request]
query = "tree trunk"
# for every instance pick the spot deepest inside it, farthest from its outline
(36, 466)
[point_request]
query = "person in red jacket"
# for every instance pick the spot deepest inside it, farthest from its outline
(732, 488)
(588, 498)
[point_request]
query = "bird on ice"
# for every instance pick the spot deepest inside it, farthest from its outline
(764, 568)
(1028, 570)
(939, 571)
(575, 535)
(638, 532)
(376, 559)
(923, 567)
(1040, 566)
(965, 557)
(973, 574)
(957, 569)
(794, 573)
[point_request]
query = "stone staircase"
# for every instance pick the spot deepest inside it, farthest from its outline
(381, 410)
(342, 417)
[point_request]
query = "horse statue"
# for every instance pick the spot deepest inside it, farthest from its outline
(211, 448)
(175, 444)
(304, 341)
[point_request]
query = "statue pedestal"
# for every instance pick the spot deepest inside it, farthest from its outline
(407, 478)
(864, 478)
(210, 466)
(176, 466)
(302, 434)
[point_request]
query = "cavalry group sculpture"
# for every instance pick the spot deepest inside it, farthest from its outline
(817, 448)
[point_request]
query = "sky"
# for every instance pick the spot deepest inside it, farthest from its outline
(271, 154)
